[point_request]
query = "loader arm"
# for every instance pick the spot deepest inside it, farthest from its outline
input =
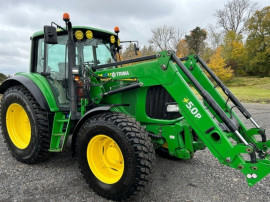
(213, 120)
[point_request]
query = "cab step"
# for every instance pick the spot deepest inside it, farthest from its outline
(60, 131)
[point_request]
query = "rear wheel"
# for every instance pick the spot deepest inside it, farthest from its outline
(24, 125)
(114, 155)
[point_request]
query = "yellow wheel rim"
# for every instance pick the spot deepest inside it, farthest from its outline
(105, 159)
(18, 126)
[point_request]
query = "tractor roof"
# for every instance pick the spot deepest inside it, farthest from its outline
(41, 33)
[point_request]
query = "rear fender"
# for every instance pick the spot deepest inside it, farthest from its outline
(31, 87)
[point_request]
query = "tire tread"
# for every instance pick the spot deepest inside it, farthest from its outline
(142, 147)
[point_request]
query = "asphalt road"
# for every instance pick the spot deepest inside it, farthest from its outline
(200, 179)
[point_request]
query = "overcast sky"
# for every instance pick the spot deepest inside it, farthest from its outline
(20, 18)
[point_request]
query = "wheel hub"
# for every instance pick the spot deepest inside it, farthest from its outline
(105, 159)
(112, 155)
(18, 126)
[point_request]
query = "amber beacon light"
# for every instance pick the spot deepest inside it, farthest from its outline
(116, 30)
(66, 17)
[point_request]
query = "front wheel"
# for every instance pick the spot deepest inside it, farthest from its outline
(115, 156)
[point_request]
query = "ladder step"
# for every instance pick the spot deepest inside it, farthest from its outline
(59, 134)
(62, 121)
(55, 150)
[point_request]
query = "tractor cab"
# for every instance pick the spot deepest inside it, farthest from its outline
(91, 47)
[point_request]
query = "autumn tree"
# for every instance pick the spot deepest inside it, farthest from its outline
(258, 43)
(145, 51)
(234, 52)
(234, 15)
(196, 40)
(182, 48)
(129, 53)
(218, 66)
(207, 53)
(166, 37)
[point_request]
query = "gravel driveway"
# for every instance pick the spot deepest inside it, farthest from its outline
(200, 179)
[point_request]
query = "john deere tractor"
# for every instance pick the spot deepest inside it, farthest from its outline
(119, 113)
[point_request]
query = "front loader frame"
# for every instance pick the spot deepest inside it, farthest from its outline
(213, 120)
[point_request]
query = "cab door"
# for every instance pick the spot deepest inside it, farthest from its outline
(56, 67)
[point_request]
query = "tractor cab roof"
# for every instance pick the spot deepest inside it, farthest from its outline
(94, 30)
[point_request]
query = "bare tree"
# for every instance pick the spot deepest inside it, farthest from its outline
(235, 14)
(214, 37)
(166, 37)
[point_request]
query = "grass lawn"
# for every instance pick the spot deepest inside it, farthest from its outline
(248, 89)
(251, 89)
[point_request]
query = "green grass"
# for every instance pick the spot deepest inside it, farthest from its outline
(251, 89)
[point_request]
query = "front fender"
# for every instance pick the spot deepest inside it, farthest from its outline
(90, 113)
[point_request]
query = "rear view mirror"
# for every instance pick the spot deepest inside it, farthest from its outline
(136, 49)
(50, 35)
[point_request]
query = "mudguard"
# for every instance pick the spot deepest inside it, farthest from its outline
(30, 85)
(92, 112)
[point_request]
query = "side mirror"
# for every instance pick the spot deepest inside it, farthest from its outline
(50, 35)
(136, 49)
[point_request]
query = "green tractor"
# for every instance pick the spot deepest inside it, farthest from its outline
(120, 112)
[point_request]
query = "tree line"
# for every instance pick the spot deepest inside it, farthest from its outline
(238, 44)
(3, 77)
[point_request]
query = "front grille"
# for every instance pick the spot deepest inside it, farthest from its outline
(156, 99)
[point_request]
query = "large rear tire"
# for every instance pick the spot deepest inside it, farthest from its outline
(24, 126)
(115, 156)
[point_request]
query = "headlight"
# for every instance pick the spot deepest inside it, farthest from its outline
(89, 34)
(172, 108)
(112, 39)
(79, 35)
(75, 70)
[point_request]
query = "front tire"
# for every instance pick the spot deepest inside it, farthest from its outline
(114, 155)
(24, 126)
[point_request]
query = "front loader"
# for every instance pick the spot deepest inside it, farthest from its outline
(119, 112)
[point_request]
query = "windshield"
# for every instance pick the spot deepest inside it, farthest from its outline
(93, 52)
